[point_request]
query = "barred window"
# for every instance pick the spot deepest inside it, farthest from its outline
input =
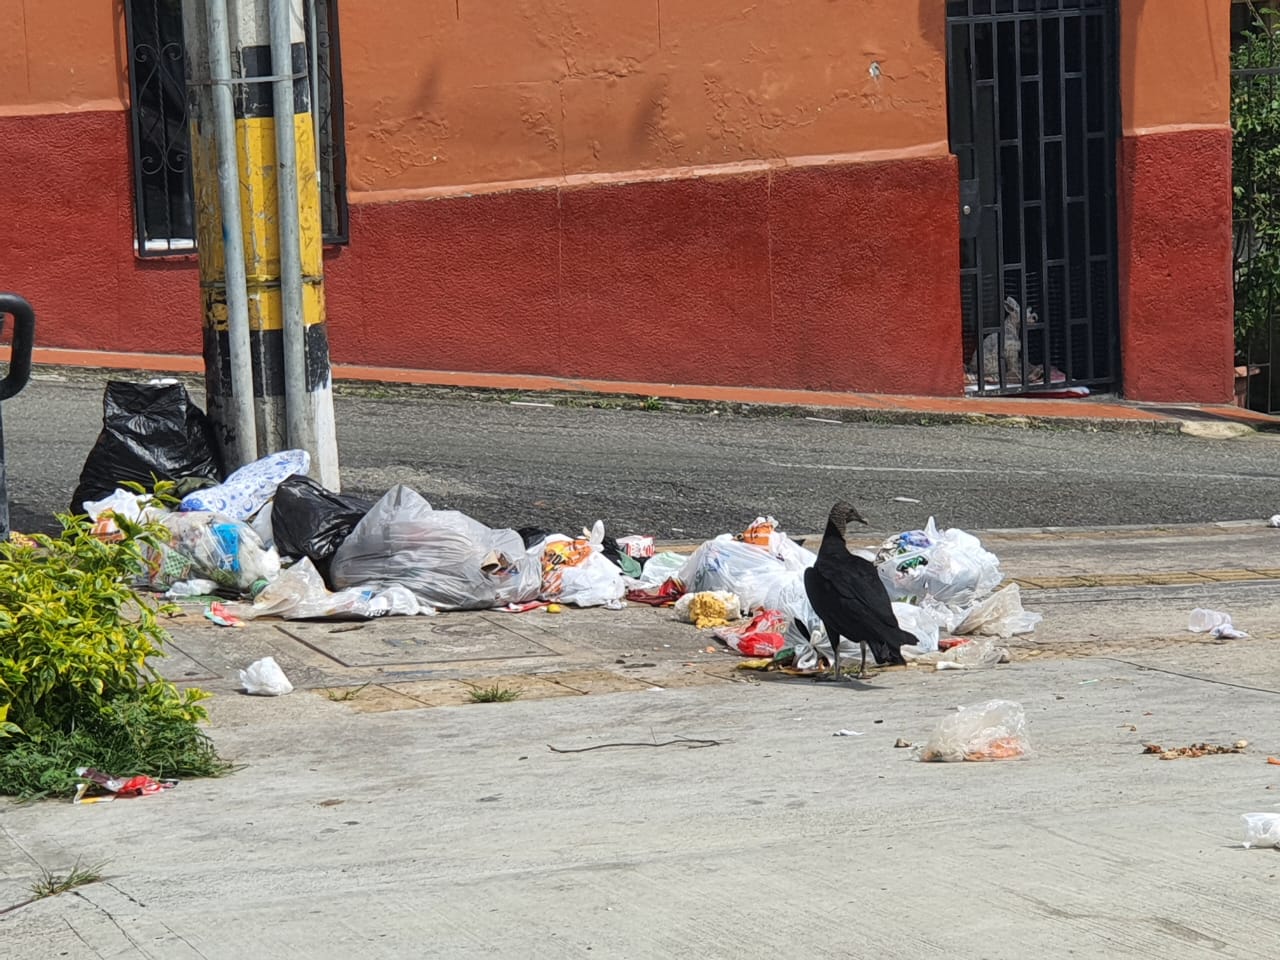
(164, 207)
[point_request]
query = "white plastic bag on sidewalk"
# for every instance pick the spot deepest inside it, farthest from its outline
(949, 566)
(919, 624)
(1261, 830)
(1216, 623)
(999, 615)
(578, 572)
(447, 559)
(299, 593)
(264, 678)
(660, 568)
(749, 571)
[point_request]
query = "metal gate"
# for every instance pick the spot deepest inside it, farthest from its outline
(1033, 108)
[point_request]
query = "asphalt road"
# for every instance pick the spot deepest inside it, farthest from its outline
(692, 475)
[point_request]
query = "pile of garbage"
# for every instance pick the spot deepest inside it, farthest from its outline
(945, 589)
(273, 538)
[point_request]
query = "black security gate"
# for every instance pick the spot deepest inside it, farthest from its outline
(1034, 111)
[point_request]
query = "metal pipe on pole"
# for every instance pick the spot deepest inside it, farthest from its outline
(239, 346)
(298, 414)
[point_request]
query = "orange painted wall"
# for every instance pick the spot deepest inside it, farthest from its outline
(454, 92)
(1175, 67)
(62, 55)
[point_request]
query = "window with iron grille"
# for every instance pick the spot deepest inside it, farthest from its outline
(164, 207)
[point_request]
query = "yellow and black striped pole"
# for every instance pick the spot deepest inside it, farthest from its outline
(275, 291)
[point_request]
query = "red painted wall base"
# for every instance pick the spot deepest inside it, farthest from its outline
(1177, 340)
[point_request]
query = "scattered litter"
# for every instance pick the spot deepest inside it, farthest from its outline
(113, 787)
(1274, 521)
(554, 608)
(846, 733)
(905, 500)
(901, 744)
(999, 615)
(996, 730)
(1194, 751)
(1274, 761)
(219, 614)
(1261, 830)
(299, 593)
(679, 741)
(1215, 623)
(264, 678)
(531, 605)
(208, 546)
(708, 608)
(822, 420)
(970, 655)
(637, 547)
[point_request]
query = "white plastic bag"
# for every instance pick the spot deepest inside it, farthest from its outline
(813, 652)
(448, 560)
(660, 568)
(996, 730)
(578, 572)
(749, 571)
(999, 615)
(919, 624)
(121, 503)
(1216, 623)
(264, 678)
(261, 524)
(243, 493)
(950, 566)
(1261, 830)
(979, 653)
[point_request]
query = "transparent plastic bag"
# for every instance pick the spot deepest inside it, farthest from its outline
(999, 615)
(447, 559)
(207, 546)
(264, 678)
(299, 593)
(919, 624)
(659, 568)
(730, 565)
(1261, 830)
(995, 730)
(950, 566)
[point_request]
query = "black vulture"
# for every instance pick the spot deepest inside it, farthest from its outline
(846, 593)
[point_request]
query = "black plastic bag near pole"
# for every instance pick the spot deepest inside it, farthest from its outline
(309, 521)
(150, 431)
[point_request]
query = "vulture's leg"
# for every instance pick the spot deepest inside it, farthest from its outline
(862, 674)
(834, 637)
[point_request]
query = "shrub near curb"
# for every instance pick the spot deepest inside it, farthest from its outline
(76, 687)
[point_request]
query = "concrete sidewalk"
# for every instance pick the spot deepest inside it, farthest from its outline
(372, 824)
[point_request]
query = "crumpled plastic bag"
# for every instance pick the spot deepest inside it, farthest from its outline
(578, 572)
(299, 593)
(762, 637)
(977, 654)
(813, 652)
(999, 615)
(950, 566)
(264, 678)
(919, 624)
(749, 571)
(448, 560)
(243, 493)
(659, 568)
(1215, 623)
(709, 608)
(207, 546)
(1261, 830)
(995, 730)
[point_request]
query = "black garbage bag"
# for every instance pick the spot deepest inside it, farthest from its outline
(149, 430)
(309, 521)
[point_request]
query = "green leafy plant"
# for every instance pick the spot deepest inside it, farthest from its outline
(1255, 119)
(77, 686)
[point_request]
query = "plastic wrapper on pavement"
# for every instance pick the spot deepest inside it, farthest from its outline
(264, 678)
(995, 730)
(764, 636)
(150, 431)
(299, 593)
(999, 615)
(207, 546)
(247, 490)
(1261, 830)
(309, 521)
(448, 560)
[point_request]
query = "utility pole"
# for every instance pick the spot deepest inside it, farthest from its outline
(258, 231)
